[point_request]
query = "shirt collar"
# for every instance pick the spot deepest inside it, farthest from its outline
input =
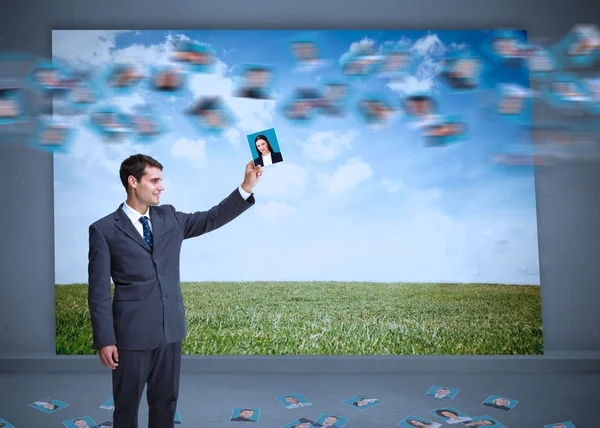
(133, 214)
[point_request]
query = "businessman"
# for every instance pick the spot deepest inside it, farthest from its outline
(138, 335)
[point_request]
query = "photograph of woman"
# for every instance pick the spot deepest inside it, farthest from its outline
(264, 154)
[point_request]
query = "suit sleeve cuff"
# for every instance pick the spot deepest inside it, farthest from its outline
(244, 194)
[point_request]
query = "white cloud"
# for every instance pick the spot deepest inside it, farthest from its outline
(274, 211)
(346, 177)
(365, 45)
(234, 137)
(97, 49)
(457, 46)
(84, 47)
(429, 45)
(411, 84)
(393, 186)
(193, 152)
(126, 102)
(429, 50)
(282, 181)
(327, 145)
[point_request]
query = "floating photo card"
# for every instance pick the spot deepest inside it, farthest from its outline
(415, 421)
(463, 72)
(109, 404)
(5, 424)
(245, 414)
(301, 423)
(303, 106)
(362, 402)
(110, 123)
(335, 97)
(580, 47)
(484, 421)
(567, 424)
(506, 47)
(256, 82)
(167, 79)
(419, 106)
(49, 77)
(513, 103)
(82, 422)
(82, 95)
(397, 63)
(292, 401)
(566, 91)
(501, 403)
(376, 110)
(444, 130)
(122, 79)
(146, 124)
(306, 50)
(450, 415)
(541, 62)
(361, 62)
(48, 405)
(12, 106)
(328, 420)
(53, 134)
(264, 147)
(592, 88)
(439, 391)
(211, 115)
(197, 57)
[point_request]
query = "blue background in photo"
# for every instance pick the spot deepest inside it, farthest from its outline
(497, 424)
(453, 391)
(568, 424)
(108, 403)
(69, 422)
(8, 425)
(350, 402)
(459, 413)
(271, 136)
(254, 417)
(300, 398)
(403, 423)
(340, 422)
(510, 405)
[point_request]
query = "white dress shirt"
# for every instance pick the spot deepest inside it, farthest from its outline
(267, 160)
(135, 216)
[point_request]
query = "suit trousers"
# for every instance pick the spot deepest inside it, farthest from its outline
(159, 368)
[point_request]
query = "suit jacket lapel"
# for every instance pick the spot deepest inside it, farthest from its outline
(124, 224)
(157, 223)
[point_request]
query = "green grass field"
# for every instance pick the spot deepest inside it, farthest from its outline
(329, 318)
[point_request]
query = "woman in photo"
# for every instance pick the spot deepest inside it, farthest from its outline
(266, 155)
(451, 417)
(421, 424)
(480, 423)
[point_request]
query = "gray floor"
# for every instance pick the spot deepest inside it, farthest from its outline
(548, 392)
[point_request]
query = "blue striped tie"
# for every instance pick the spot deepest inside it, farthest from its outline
(147, 232)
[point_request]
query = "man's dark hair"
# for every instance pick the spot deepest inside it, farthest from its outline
(136, 165)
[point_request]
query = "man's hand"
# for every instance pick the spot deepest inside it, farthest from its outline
(252, 175)
(109, 356)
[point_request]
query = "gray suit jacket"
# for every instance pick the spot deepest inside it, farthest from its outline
(147, 297)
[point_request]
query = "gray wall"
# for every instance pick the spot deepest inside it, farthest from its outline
(568, 197)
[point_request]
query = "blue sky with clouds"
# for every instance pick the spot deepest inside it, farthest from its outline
(349, 202)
